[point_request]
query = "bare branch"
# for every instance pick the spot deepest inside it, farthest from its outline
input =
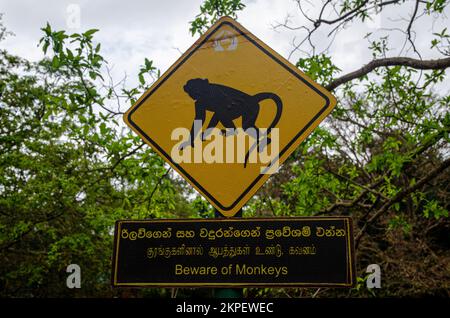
(402, 194)
(390, 61)
(158, 183)
(408, 30)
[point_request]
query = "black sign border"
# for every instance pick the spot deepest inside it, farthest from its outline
(350, 251)
(169, 158)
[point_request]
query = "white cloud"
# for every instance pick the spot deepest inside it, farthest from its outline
(129, 30)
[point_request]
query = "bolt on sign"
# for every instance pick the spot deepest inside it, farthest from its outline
(228, 113)
(289, 252)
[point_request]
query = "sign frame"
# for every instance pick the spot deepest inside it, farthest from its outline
(350, 256)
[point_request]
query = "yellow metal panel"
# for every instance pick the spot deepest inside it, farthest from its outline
(229, 55)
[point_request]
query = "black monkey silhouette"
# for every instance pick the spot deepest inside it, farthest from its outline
(227, 104)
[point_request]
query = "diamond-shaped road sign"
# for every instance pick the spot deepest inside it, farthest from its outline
(227, 113)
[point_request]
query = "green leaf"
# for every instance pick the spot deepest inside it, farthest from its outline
(90, 32)
(55, 62)
(141, 79)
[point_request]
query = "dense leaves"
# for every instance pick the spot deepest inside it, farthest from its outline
(211, 11)
(68, 169)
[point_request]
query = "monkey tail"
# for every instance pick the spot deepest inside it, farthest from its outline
(258, 98)
(261, 96)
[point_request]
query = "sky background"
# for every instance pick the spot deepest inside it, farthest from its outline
(159, 30)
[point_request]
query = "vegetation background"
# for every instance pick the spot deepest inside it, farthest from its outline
(69, 168)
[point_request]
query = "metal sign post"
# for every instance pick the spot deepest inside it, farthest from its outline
(228, 292)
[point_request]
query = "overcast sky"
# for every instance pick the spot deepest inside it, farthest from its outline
(134, 29)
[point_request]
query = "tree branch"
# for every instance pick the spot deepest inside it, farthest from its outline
(158, 183)
(402, 194)
(355, 201)
(408, 30)
(390, 61)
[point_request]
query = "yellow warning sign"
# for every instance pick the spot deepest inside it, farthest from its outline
(228, 113)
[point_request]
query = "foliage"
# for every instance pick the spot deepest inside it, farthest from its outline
(389, 131)
(211, 11)
(68, 169)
